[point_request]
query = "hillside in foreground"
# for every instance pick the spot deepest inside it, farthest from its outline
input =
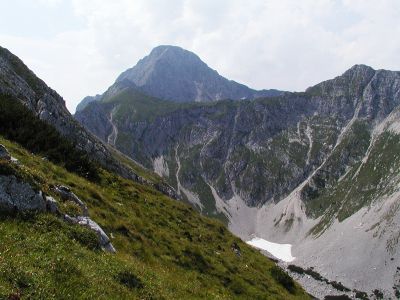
(164, 249)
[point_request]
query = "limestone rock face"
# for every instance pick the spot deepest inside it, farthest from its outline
(262, 149)
(87, 100)
(18, 196)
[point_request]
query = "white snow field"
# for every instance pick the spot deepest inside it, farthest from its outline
(280, 251)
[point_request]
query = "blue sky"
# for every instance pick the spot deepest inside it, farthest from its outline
(79, 47)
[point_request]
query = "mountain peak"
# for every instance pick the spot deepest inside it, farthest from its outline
(360, 68)
(171, 49)
(173, 73)
(174, 54)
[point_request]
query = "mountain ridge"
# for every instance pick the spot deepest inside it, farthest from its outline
(278, 167)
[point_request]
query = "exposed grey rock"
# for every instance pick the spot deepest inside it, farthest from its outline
(14, 160)
(4, 153)
(236, 249)
(104, 240)
(235, 137)
(66, 194)
(84, 220)
(52, 205)
(18, 196)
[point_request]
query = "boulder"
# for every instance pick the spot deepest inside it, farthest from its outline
(66, 194)
(18, 196)
(52, 205)
(104, 240)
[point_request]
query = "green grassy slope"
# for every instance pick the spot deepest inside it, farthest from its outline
(165, 249)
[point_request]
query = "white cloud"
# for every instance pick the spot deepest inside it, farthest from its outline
(285, 44)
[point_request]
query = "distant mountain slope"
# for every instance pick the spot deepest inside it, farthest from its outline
(85, 101)
(297, 168)
(175, 74)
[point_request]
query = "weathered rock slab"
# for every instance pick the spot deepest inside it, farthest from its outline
(104, 240)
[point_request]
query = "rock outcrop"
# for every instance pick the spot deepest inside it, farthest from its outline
(67, 195)
(19, 196)
(84, 220)
(104, 240)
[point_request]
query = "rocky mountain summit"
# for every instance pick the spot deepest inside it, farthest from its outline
(317, 169)
(175, 74)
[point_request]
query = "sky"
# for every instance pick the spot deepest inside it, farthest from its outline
(79, 47)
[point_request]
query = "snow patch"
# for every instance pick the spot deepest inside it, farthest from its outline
(280, 251)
